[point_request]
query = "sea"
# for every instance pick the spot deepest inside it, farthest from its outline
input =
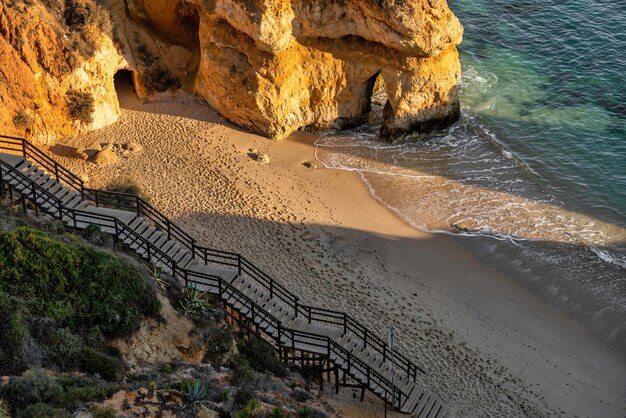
(532, 179)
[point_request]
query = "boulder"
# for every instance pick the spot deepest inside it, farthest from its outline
(80, 153)
(134, 147)
(106, 157)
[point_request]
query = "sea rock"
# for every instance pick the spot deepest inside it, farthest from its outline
(315, 63)
(105, 157)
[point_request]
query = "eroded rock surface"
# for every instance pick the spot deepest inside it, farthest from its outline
(315, 63)
(272, 66)
(46, 53)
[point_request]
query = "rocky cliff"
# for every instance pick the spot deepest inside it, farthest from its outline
(56, 68)
(272, 66)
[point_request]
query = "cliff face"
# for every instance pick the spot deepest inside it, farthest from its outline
(314, 63)
(273, 66)
(56, 70)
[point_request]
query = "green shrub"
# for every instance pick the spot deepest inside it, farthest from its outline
(22, 120)
(66, 392)
(42, 410)
(98, 411)
(34, 386)
(244, 395)
(66, 346)
(251, 409)
(158, 79)
(196, 391)
(262, 356)
(219, 342)
(80, 105)
(276, 412)
(107, 366)
(305, 412)
(225, 395)
(12, 332)
(77, 286)
(241, 369)
(77, 390)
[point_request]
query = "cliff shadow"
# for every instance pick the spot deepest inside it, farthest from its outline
(329, 266)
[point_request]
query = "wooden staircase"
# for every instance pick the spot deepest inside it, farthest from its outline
(265, 303)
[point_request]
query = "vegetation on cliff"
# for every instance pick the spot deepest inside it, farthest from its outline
(63, 299)
(66, 300)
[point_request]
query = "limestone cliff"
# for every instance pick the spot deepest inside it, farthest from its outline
(273, 66)
(56, 69)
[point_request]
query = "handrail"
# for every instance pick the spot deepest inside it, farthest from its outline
(275, 289)
(122, 229)
(30, 151)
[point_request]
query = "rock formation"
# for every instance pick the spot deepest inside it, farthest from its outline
(56, 69)
(272, 66)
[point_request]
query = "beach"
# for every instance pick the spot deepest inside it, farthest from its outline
(490, 346)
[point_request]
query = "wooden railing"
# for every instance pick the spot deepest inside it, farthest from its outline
(233, 297)
(207, 255)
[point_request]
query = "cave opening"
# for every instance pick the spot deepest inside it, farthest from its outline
(125, 87)
(377, 97)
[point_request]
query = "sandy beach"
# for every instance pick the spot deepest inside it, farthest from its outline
(491, 348)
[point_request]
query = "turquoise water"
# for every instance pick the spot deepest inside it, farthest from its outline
(532, 179)
(560, 95)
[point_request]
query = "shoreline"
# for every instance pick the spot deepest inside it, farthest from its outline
(490, 346)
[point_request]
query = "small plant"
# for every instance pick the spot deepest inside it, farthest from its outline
(243, 396)
(155, 273)
(241, 369)
(262, 357)
(251, 409)
(276, 412)
(98, 411)
(34, 386)
(13, 332)
(195, 303)
(107, 366)
(166, 368)
(22, 120)
(196, 391)
(225, 396)
(152, 385)
(158, 79)
(305, 412)
(81, 105)
(67, 347)
(40, 410)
